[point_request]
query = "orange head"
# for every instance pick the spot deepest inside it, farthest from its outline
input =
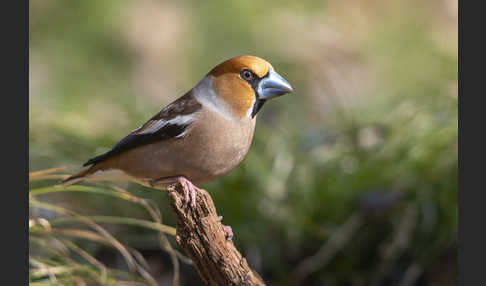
(244, 83)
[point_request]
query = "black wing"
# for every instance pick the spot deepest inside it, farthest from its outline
(162, 126)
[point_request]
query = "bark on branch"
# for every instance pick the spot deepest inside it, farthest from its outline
(201, 234)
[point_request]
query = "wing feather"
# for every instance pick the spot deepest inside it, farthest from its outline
(170, 122)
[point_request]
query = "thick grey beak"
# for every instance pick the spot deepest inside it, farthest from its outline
(273, 85)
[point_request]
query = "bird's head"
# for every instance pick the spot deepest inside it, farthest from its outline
(244, 83)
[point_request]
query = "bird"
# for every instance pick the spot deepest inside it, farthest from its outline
(197, 138)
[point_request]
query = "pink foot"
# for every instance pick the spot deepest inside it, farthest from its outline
(227, 229)
(190, 190)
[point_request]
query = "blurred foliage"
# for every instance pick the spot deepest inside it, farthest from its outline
(352, 180)
(60, 255)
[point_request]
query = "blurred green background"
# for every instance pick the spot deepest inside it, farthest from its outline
(352, 180)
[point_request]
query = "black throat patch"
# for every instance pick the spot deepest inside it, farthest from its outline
(257, 105)
(258, 102)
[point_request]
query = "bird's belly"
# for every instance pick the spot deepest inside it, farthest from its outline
(214, 156)
(213, 163)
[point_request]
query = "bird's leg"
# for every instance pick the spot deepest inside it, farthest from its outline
(227, 229)
(189, 188)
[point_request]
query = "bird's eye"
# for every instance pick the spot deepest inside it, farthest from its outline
(246, 75)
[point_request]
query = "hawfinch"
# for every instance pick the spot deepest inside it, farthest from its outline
(197, 138)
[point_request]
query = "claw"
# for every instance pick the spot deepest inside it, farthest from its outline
(227, 229)
(193, 197)
(186, 188)
(189, 188)
(190, 191)
(229, 232)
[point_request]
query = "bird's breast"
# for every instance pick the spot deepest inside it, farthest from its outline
(219, 145)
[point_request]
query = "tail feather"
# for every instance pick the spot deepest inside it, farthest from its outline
(76, 178)
(106, 174)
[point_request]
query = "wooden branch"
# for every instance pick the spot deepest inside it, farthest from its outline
(201, 234)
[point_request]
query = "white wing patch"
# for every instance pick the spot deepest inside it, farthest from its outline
(155, 125)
